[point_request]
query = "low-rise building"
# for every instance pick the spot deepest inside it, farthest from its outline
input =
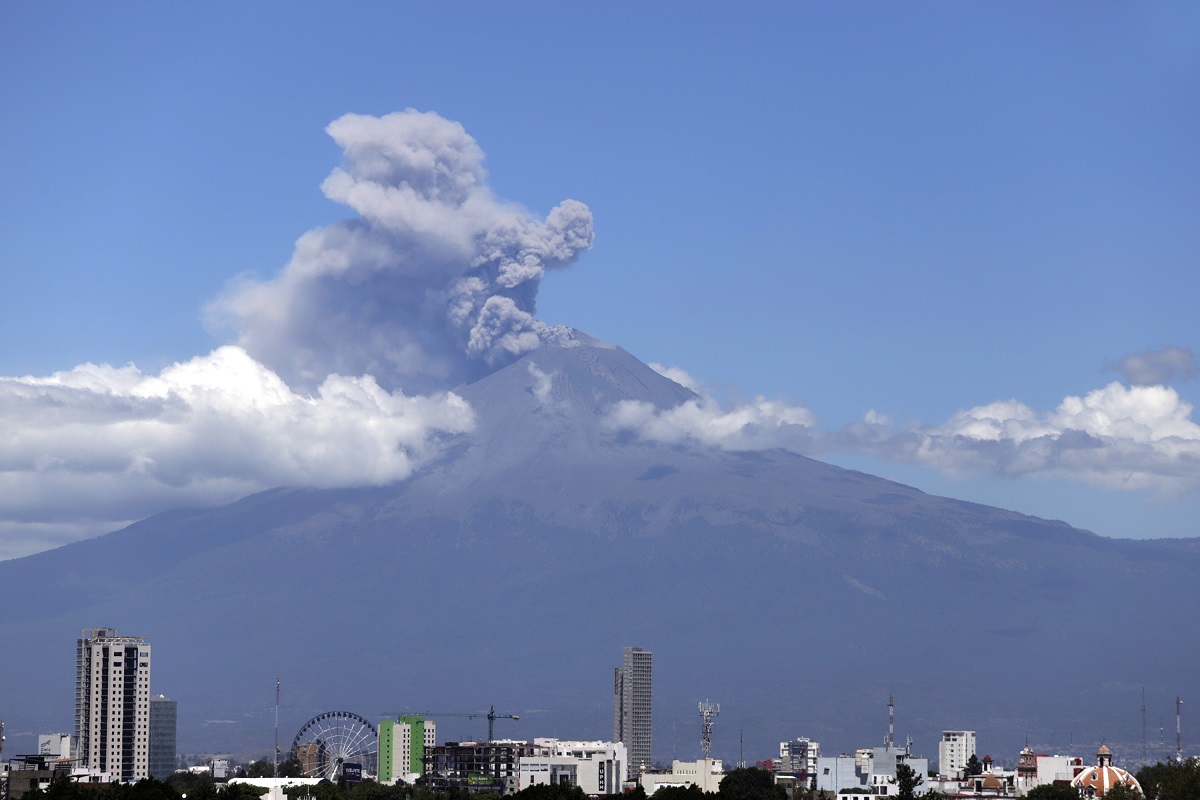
(706, 774)
(872, 771)
(798, 758)
(597, 768)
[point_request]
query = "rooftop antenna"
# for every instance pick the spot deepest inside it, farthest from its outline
(1143, 726)
(275, 770)
(708, 713)
(891, 737)
(1178, 731)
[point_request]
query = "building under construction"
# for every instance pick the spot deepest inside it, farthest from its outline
(475, 766)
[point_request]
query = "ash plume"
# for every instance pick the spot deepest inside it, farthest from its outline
(433, 283)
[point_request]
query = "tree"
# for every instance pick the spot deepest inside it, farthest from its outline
(973, 766)
(907, 781)
(1122, 792)
(291, 768)
(1053, 791)
(750, 783)
(1171, 781)
(261, 769)
(551, 791)
(678, 793)
(243, 791)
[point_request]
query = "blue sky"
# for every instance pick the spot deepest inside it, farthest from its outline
(903, 210)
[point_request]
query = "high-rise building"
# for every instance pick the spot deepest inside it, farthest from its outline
(112, 703)
(162, 737)
(631, 708)
(954, 751)
(402, 746)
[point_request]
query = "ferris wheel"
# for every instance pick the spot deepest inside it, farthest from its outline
(330, 741)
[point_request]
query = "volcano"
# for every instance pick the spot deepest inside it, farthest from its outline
(512, 569)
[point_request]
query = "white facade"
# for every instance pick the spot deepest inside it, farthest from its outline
(705, 773)
(799, 757)
(872, 770)
(954, 751)
(598, 768)
(1057, 768)
(112, 703)
(55, 745)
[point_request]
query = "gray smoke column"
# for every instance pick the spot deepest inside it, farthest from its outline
(435, 281)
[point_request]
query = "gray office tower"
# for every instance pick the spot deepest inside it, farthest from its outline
(162, 737)
(631, 708)
(112, 703)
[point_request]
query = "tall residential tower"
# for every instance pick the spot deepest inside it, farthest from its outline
(631, 708)
(112, 703)
(954, 751)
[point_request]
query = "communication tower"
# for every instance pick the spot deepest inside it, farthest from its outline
(708, 713)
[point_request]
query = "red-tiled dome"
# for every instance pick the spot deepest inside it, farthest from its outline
(1095, 781)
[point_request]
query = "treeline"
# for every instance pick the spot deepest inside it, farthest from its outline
(1161, 782)
(742, 784)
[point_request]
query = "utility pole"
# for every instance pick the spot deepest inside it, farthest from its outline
(1143, 726)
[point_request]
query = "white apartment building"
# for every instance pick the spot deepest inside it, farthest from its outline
(954, 751)
(598, 768)
(112, 703)
(799, 757)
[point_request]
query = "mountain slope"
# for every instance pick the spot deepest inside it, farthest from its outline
(513, 569)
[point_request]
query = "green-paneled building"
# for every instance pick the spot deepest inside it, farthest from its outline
(402, 746)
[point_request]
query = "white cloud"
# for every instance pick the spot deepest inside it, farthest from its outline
(87, 450)
(1116, 437)
(434, 283)
(679, 376)
(758, 425)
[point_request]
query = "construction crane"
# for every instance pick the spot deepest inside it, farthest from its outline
(491, 715)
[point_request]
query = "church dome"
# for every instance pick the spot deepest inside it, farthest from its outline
(1095, 781)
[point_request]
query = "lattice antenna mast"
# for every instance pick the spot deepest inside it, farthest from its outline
(891, 737)
(708, 713)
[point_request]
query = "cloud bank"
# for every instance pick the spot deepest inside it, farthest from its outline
(1115, 437)
(433, 283)
(91, 448)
